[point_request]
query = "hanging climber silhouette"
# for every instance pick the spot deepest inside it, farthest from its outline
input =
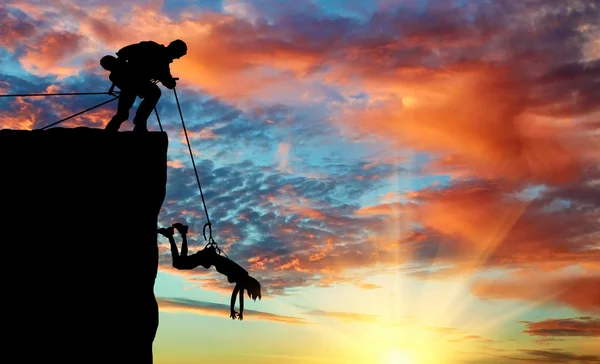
(136, 70)
(209, 257)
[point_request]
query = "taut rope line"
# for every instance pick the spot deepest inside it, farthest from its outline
(208, 224)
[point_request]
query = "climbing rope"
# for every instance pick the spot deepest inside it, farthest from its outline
(58, 94)
(110, 92)
(211, 241)
(79, 113)
(157, 118)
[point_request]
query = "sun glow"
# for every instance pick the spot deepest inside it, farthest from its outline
(427, 354)
(397, 356)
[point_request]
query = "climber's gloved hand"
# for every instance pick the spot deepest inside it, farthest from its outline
(170, 84)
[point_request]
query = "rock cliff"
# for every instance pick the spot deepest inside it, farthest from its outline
(79, 243)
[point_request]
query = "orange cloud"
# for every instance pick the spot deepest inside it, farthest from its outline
(45, 54)
(4, 87)
(484, 224)
(175, 164)
(14, 29)
(478, 113)
(322, 252)
(282, 155)
(478, 216)
(579, 326)
(289, 202)
(346, 316)
(222, 310)
(382, 209)
(23, 115)
(579, 292)
(228, 57)
(96, 118)
(368, 286)
(293, 264)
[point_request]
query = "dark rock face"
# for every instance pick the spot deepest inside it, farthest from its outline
(79, 219)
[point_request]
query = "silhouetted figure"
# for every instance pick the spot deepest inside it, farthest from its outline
(209, 257)
(136, 70)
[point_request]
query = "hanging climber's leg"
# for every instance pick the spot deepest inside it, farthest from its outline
(232, 313)
(126, 100)
(151, 94)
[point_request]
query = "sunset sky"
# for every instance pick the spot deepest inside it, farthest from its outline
(410, 181)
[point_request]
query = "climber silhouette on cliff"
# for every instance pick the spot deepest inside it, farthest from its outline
(209, 257)
(136, 70)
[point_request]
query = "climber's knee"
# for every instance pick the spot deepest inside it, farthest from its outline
(153, 93)
(121, 116)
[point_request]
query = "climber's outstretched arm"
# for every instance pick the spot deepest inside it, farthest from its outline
(233, 314)
(241, 314)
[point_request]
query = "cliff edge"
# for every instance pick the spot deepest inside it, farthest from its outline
(79, 243)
